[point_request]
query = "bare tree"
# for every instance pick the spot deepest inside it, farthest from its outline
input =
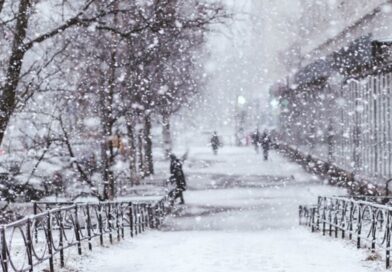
(24, 39)
(119, 62)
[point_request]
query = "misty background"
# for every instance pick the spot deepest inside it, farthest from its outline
(244, 57)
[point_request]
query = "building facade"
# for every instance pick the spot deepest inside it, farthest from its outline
(338, 104)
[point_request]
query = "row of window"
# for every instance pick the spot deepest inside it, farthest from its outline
(365, 121)
(350, 126)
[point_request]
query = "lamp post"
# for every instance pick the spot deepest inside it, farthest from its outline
(240, 116)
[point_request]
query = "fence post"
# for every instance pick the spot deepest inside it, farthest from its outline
(61, 227)
(140, 216)
(162, 207)
(359, 227)
(4, 257)
(312, 219)
(350, 222)
(330, 222)
(300, 214)
(131, 218)
(135, 213)
(35, 210)
(77, 231)
(117, 221)
(388, 242)
(324, 220)
(109, 219)
(344, 212)
(90, 246)
(159, 213)
(150, 217)
(49, 241)
(100, 224)
(318, 213)
(143, 216)
(147, 216)
(29, 244)
(374, 229)
(122, 220)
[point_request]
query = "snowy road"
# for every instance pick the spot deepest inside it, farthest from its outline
(241, 215)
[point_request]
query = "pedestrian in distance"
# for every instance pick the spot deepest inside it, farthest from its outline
(256, 137)
(177, 177)
(265, 143)
(215, 143)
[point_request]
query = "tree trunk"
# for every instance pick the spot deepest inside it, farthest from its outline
(107, 158)
(140, 153)
(1, 5)
(8, 97)
(330, 143)
(149, 163)
(166, 135)
(134, 175)
(107, 153)
(108, 119)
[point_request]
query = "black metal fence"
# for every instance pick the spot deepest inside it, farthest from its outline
(55, 227)
(367, 220)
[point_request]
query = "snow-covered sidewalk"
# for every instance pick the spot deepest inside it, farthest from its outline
(241, 215)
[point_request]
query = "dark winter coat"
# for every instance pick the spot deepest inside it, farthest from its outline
(256, 138)
(265, 141)
(215, 142)
(177, 174)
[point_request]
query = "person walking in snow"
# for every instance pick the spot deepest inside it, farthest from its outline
(256, 140)
(265, 143)
(177, 177)
(215, 143)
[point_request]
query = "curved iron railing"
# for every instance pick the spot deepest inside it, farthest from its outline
(366, 219)
(33, 240)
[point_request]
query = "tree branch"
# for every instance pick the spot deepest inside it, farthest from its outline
(74, 21)
(83, 175)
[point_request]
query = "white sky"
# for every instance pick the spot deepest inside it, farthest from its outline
(243, 56)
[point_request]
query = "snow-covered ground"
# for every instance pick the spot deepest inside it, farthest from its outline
(241, 215)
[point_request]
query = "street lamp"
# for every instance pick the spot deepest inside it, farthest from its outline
(241, 100)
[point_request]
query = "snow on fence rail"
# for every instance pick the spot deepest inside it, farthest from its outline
(56, 226)
(366, 219)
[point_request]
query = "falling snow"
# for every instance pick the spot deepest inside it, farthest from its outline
(248, 108)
